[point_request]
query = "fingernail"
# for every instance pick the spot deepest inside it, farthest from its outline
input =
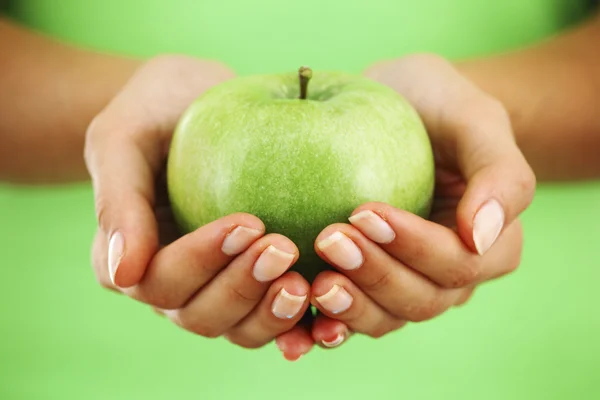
(373, 226)
(339, 339)
(271, 264)
(342, 251)
(239, 239)
(286, 306)
(336, 300)
(116, 250)
(487, 225)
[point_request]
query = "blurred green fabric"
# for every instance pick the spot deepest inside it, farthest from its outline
(533, 335)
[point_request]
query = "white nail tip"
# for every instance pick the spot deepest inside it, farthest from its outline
(279, 253)
(116, 250)
(335, 237)
(487, 225)
(373, 226)
(239, 239)
(342, 251)
(334, 343)
(336, 300)
(286, 305)
(332, 292)
(271, 264)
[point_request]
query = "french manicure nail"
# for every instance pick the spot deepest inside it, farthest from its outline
(487, 224)
(116, 250)
(336, 300)
(286, 306)
(339, 339)
(239, 239)
(271, 264)
(373, 226)
(342, 251)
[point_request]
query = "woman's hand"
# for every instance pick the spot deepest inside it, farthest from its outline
(393, 266)
(226, 278)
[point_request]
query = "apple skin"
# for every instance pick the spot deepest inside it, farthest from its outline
(250, 145)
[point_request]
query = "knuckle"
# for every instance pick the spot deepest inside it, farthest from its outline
(464, 274)
(527, 183)
(239, 295)
(420, 250)
(424, 311)
(378, 283)
(201, 328)
(379, 331)
(102, 211)
(493, 108)
(206, 268)
(158, 300)
(474, 114)
(243, 341)
(384, 329)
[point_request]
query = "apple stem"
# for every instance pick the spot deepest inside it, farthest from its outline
(304, 73)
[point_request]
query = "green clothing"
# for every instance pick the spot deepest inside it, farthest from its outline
(530, 336)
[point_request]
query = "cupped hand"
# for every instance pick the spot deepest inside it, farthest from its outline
(393, 267)
(226, 278)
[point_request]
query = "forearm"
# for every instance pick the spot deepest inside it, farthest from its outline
(552, 93)
(49, 94)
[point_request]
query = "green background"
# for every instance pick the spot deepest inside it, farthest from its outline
(531, 336)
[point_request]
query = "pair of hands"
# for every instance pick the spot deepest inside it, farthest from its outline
(229, 278)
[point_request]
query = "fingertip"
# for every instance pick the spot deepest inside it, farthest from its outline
(378, 207)
(280, 243)
(294, 343)
(480, 223)
(290, 293)
(324, 281)
(295, 282)
(374, 226)
(331, 293)
(328, 332)
(244, 219)
(330, 234)
(238, 230)
(129, 256)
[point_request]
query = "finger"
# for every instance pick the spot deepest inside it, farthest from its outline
(500, 183)
(180, 269)
(433, 249)
(329, 332)
(237, 290)
(123, 181)
(399, 289)
(338, 298)
(297, 342)
(472, 132)
(281, 308)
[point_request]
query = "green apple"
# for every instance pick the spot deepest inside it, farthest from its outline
(298, 157)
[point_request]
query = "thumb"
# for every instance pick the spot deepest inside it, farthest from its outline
(123, 181)
(471, 132)
(500, 182)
